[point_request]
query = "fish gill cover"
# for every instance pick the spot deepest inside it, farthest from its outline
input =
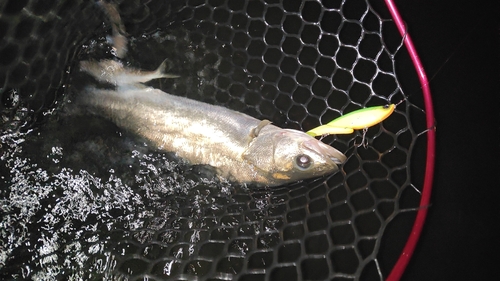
(82, 200)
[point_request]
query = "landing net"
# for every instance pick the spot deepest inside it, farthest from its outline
(82, 200)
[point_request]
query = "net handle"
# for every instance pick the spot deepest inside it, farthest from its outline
(404, 258)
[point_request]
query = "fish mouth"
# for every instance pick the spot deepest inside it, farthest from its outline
(326, 151)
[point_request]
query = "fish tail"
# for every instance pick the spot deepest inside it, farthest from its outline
(119, 39)
(161, 71)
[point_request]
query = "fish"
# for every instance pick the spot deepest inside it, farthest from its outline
(241, 148)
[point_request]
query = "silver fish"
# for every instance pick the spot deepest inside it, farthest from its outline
(240, 147)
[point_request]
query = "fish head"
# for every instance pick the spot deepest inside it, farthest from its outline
(282, 156)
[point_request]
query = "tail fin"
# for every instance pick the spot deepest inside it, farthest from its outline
(161, 71)
(115, 73)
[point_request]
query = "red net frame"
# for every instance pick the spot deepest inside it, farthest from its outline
(407, 252)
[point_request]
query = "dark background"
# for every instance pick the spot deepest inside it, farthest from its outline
(458, 43)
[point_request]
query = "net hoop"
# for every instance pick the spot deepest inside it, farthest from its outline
(404, 258)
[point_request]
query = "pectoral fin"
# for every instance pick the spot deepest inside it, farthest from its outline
(255, 131)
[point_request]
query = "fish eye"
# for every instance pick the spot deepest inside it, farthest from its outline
(303, 161)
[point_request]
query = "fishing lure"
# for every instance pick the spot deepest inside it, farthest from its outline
(356, 120)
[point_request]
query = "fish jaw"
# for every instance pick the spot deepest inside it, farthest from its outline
(325, 159)
(329, 153)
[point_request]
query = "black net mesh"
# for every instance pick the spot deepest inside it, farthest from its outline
(83, 200)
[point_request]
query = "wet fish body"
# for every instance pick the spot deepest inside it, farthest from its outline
(240, 147)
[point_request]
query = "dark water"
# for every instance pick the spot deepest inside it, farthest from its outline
(75, 187)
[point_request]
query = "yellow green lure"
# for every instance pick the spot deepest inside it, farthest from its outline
(356, 120)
